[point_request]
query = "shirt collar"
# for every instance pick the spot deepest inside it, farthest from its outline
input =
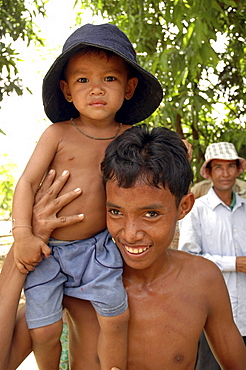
(214, 200)
(233, 201)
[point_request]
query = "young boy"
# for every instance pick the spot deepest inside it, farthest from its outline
(93, 92)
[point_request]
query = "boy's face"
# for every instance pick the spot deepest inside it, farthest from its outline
(142, 221)
(97, 85)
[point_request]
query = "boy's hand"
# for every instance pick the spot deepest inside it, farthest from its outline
(29, 251)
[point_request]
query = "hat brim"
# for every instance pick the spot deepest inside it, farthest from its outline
(145, 101)
(242, 167)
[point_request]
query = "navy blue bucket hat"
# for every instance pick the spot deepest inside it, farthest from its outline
(148, 93)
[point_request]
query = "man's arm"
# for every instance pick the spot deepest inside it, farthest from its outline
(190, 238)
(48, 203)
(220, 329)
(193, 238)
(11, 283)
(241, 264)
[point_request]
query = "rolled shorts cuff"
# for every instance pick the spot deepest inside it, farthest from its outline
(44, 321)
(110, 312)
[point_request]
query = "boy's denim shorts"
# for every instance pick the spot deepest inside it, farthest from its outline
(89, 269)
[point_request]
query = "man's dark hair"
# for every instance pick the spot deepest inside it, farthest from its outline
(155, 156)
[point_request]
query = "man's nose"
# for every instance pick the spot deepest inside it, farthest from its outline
(225, 171)
(132, 232)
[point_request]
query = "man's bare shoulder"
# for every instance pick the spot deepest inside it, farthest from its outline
(191, 264)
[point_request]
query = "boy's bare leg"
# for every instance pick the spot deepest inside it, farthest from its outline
(46, 345)
(113, 341)
(83, 334)
(11, 283)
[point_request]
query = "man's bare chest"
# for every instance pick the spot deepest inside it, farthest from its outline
(164, 330)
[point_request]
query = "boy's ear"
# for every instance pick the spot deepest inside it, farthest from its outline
(130, 88)
(186, 205)
(66, 91)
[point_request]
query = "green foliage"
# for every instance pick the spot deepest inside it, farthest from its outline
(7, 182)
(197, 50)
(17, 22)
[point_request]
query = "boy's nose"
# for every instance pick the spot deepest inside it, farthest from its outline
(97, 90)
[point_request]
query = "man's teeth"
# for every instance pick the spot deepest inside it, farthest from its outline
(136, 250)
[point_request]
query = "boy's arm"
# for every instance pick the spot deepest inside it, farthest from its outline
(222, 334)
(28, 249)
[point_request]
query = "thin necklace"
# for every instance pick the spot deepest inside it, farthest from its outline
(96, 138)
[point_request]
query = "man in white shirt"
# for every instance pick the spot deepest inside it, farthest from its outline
(202, 187)
(216, 229)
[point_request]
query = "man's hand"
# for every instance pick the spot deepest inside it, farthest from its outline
(48, 204)
(241, 264)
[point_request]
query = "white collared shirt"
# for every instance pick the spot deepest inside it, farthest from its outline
(218, 233)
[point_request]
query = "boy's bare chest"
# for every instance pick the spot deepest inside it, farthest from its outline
(81, 154)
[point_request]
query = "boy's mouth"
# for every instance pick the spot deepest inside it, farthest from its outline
(97, 103)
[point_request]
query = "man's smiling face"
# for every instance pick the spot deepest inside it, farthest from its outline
(142, 221)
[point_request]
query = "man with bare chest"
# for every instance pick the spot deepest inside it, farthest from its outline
(169, 308)
(172, 295)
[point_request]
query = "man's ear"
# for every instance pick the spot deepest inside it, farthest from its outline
(130, 88)
(208, 173)
(66, 91)
(186, 205)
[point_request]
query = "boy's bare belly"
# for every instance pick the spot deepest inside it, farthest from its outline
(91, 203)
(85, 173)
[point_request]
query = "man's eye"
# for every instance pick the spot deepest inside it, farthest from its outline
(114, 212)
(83, 80)
(110, 78)
(151, 214)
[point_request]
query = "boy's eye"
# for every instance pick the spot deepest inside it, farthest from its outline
(83, 80)
(151, 214)
(110, 78)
